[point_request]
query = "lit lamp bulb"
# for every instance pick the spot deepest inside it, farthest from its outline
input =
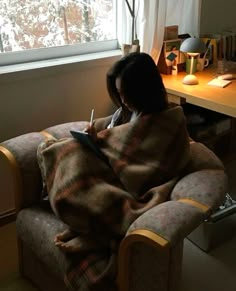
(193, 46)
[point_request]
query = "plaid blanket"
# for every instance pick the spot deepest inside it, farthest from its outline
(99, 200)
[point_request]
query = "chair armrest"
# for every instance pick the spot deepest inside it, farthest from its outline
(194, 198)
(20, 175)
(155, 240)
(63, 130)
(156, 237)
(207, 187)
(171, 221)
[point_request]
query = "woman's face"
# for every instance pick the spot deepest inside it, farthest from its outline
(118, 88)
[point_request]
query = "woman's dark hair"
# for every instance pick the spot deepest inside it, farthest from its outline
(141, 83)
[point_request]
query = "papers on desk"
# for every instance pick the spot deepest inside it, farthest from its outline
(219, 83)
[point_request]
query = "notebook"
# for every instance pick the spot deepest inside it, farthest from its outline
(87, 140)
(219, 83)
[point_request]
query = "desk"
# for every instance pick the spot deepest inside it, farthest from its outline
(222, 100)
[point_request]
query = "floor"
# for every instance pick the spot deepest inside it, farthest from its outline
(215, 270)
(212, 271)
(14, 282)
(10, 279)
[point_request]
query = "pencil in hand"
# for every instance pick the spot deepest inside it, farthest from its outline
(91, 117)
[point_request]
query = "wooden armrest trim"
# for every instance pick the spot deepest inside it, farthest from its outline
(145, 235)
(197, 204)
(16, 176)
(47, 135)
(138, 235)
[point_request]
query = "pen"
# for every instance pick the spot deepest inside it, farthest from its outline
(91, 117)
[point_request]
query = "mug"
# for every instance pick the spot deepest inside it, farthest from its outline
(202, 63)
(188, 65)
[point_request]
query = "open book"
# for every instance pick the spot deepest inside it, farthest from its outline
(87, 140)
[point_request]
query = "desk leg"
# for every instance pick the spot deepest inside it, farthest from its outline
(233, 137)
(175, 99)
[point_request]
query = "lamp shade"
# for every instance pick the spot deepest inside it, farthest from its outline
(193, 45)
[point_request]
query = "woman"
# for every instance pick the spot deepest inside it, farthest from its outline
(147, 149)
(145, 141)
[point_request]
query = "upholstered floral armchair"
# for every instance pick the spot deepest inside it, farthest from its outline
(149, 256)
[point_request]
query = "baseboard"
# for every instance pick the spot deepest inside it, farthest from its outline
(7, 217)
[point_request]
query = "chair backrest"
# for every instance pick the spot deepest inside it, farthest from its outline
(205, 181)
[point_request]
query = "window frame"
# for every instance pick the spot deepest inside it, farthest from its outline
(34, 55)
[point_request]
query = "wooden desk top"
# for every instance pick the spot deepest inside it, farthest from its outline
(222, 100)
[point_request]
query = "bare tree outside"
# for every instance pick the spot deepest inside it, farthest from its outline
(29, 24)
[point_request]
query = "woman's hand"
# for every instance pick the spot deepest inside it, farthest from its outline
(91, 130)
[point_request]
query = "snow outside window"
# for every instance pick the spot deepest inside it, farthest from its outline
(43, 29)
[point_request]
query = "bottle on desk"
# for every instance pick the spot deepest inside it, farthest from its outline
(174, 70)
(221, 67)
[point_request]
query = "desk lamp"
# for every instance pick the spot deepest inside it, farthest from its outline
(193, 46)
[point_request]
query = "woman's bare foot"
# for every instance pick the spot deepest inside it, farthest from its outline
(65, 236)
(70, 242)
(71, 246)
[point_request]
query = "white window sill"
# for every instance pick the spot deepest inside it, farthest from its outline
(28, 70)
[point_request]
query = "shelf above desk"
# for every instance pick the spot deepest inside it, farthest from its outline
(222, 100)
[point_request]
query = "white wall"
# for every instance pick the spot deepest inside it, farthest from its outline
(36, 99)
(217, 15)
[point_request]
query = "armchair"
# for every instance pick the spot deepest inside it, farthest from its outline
(150, 255)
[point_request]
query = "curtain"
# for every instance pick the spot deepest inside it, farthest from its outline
(151, 18)
(185, 13)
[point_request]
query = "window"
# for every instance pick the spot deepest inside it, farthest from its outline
(42, 29)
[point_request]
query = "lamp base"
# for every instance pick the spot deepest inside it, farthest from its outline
(190, 80)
